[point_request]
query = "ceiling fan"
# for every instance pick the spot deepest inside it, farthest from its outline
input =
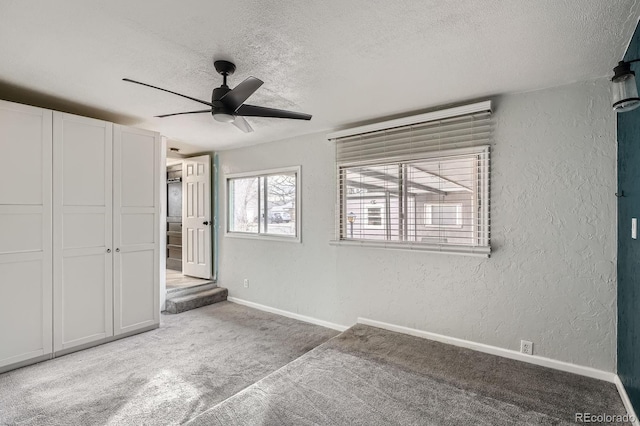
(227, 105)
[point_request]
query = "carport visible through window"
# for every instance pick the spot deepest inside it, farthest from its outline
(421, 186)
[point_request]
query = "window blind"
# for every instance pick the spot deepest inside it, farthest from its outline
(422, 185)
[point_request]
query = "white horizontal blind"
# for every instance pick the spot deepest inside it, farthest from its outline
(424, 185)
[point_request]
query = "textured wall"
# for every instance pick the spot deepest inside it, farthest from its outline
(551, 277)
(629, 249)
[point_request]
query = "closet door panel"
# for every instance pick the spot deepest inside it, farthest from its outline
(21, 231)
(136, 229)
(84, 160)
(80, 229)
(138, 291)
(83, 296)
(138, 169)
(25, 138)
(83, 259)
(25, 233)
(24, 319)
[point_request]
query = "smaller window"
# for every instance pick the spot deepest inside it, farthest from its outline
(374, 216)
(264, 204)
(443, 215)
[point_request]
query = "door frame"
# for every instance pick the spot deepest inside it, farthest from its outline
(163, 228)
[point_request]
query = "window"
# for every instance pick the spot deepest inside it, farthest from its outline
(444, 215)
(374, 216)
(264, 204)
(422, 185)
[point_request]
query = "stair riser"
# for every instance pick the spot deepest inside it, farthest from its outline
(190, 290)
(174, 264)
(178, 307)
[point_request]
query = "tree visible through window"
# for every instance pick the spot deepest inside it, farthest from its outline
(263, 203)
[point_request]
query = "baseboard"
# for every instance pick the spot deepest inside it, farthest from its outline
(25, 363)
(626, 401)
(78, 348)
(109, 339)
(494, 350)
(480, 347)
(288, 314)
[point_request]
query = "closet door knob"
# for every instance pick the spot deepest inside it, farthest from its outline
(108, 250)
(117, 250)
(205, 222)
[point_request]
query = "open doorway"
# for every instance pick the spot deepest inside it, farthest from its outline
(188, 196)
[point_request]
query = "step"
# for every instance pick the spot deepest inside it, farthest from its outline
(172, 293)
(174, 264)
(175, 305)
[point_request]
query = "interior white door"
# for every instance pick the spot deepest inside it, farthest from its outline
(82, 236)
(136, 228)
(196, 216)
(25, 230)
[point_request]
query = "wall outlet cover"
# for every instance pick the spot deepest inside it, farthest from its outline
(526, 347)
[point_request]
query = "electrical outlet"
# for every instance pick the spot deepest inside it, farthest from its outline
(246, 283)
(526, 347)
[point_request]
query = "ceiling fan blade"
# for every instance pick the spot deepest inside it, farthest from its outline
(181, 113)
(241, 93)
(243, 125)
(258, 111)
(168, 91)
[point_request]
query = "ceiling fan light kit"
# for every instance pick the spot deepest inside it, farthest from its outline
(223, 118)
(227, 105)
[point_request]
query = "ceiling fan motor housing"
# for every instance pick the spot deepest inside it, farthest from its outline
(219, 111)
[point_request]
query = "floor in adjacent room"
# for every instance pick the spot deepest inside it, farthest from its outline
(227, 364)
(176, 281)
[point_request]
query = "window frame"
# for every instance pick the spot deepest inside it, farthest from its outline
(262, 204)
(483, 249)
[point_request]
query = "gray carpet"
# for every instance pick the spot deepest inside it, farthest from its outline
(166, 376)
(369, 376)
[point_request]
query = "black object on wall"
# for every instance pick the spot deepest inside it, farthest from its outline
(629, 248)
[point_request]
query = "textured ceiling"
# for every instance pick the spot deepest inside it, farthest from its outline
(344, 61)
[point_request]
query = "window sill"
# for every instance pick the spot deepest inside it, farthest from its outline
(430, 248)
(266, 237)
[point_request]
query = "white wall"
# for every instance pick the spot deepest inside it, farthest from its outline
(550, 279)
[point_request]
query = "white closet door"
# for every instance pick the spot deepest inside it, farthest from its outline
(136, 226)
(83, 286)
(25, 233)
